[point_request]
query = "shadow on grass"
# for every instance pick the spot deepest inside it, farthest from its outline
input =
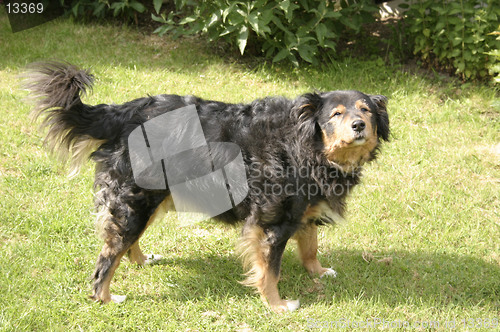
(406, 277)
(394, 279)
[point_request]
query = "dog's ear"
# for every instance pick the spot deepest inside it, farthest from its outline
(305, 111)
(306, 106)
(383, 130)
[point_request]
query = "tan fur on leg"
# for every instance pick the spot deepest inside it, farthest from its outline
(254, 251)
(270, 294)
(103, 294)
(135, 254)
(307, 240)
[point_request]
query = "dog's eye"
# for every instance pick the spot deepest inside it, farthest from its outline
(336, 114)
(364, 110)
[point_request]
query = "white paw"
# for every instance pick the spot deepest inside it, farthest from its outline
(118, 298)
(329, 273)
(152, 259)
(292, 305)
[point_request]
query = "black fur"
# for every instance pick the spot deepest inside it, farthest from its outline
(277, 137)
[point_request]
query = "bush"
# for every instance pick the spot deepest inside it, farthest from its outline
(495, 54)
(127, 9)
(278, 29)
(455, 35)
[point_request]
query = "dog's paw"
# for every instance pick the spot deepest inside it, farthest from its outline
(152, 259)
(292, 305)
(118, 298)
(286, 306)
(330, 273)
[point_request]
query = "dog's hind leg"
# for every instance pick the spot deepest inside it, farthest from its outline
(120, 230)
(108, 261)
(135, 254)
(307, 241)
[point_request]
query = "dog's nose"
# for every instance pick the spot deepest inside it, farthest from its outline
(358, 126)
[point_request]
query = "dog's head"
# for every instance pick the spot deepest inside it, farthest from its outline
(349, 124)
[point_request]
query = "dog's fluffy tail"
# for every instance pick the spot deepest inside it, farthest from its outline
(74, 129)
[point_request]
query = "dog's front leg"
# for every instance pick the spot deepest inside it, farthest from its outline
(307, 240)
(263, 250)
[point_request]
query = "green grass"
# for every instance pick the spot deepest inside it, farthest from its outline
(421, 243)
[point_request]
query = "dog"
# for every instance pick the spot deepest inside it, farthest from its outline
(301, 158)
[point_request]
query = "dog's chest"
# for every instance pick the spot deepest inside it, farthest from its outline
(321, 213)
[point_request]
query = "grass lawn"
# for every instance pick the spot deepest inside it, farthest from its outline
(421, 244)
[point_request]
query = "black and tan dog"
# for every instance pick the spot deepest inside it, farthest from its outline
(301, 156)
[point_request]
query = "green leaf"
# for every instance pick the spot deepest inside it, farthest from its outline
(75, 9)
(99, 9)
(227, 31)
(157, 4)
(306, 52)
(332, 14)
(188, 19)
(213, 19)
(253, 19)
(281, 55)
(276, 20)
(305, 4)
(456, 41)
(241, 12)
(160, 19)
(330, 44)
(139, 7)
(305, 39)
(163, 29)
(264, 29)
(260, 3)
(270, 51)
(235, 18)
(321, 31)
(288, 9)
(468, 55)
(321, 8)
(456, 22)
(118, 7)
(284, 6)
(242, 39)
(228, 11)
(291, 40)
(266, 16)
(349, 22)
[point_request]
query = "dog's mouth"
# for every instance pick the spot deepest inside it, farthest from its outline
(357, 140)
